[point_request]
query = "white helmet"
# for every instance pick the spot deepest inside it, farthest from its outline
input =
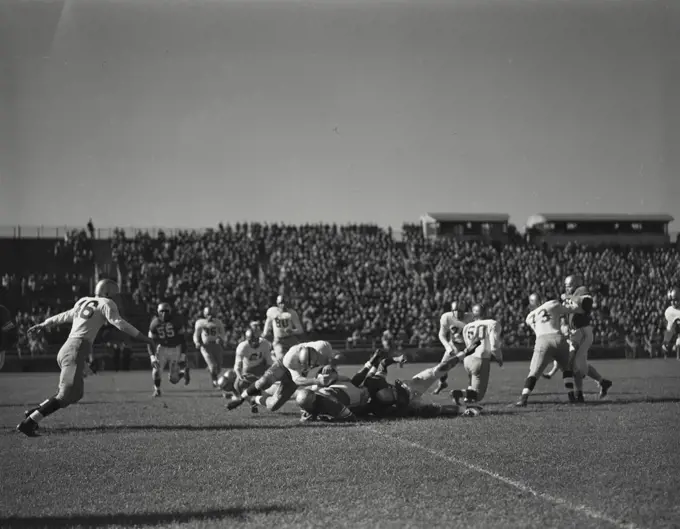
(106, 288)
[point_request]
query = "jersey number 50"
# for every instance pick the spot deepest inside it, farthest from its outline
(476, 332)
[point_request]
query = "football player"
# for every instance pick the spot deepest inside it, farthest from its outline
(167, 329)
(672, 316)
(290, 373)
(335, 398)
(484, 335)
(407, 397)
(208, 338)
(87, 316)
(545, 319)
(451, 326)
(284, 323)
(581, 336)
(253, 358)
(8, 333)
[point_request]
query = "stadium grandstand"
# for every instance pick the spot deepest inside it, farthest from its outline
(628, 229)
(466, 226)
(349, 283)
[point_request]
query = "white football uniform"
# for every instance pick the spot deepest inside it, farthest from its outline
(208, 331)
(672, 316)
(451, 333)
(297, 368)
(88, 316)
(551, 344)
(286, 328)
(478, 364)
(252, 362)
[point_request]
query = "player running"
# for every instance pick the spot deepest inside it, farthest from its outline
(87, 316)
(451, 326)
(284, 323)
(8, 333)
(253, 358)
(208, 338)
(672, 316)
(167, 329)
(581, 336)
(290, 373)
(483, 336)
(545, 319)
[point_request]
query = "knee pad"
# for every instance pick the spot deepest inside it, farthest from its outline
(305, 399)
(227, 380)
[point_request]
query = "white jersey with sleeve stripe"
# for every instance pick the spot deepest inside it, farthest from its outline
(88, 316)
(547, 319)
(292, 360)
(208, 331)
(672, 318)
(283, 323)
(453, 327)
(249, 357)
(489, 332)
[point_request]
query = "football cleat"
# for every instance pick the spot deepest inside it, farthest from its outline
(28, 427)
(604, 387)
(442, 385)
(254, 408)
(27, 414)
(457, 395)
(579, 398)
(522, 402)
(235, 403)
(156, 392)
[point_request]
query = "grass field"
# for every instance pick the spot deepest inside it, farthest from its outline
(123, 459)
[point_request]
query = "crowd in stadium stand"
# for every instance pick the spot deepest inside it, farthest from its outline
(357, 281)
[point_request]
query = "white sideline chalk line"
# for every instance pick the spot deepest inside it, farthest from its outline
(582, 509)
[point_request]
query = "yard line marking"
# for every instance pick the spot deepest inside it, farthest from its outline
(582, 509)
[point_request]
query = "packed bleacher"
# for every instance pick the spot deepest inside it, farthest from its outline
(357, 281)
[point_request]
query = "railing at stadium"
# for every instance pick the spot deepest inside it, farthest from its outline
(59, 232)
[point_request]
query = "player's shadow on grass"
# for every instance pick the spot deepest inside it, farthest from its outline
(554, 393)
(187, 427)
(153, 519)
(611, 402)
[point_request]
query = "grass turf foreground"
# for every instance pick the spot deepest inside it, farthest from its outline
(123, 459)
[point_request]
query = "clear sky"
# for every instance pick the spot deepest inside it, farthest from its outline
(169, 113)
